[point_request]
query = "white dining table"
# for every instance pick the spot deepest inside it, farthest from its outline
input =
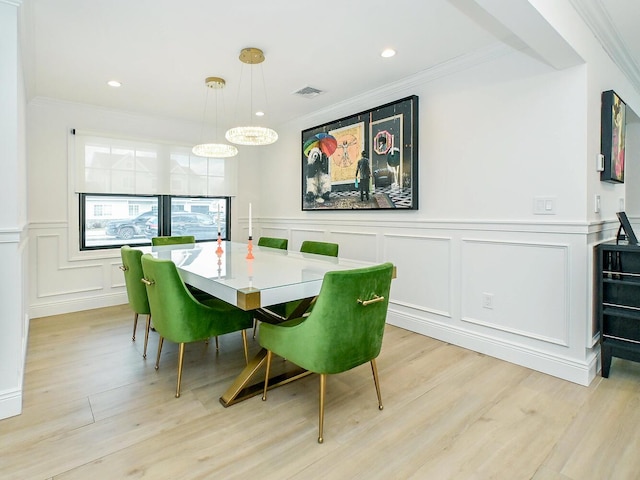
(270, 277)
(252, 278)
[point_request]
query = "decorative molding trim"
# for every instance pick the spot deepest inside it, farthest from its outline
(10, 403)
(596, 17)
(573, 370)
(566, 227)
(567, 312)
(13, 3)
(77, 305)
(408, 84)
(421, 308)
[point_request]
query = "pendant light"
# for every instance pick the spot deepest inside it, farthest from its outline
(214, 150)
(253, 134)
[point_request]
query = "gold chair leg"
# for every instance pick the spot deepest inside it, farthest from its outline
(180, 362)
(323, 386)
(146, 336)
(374, 369)
(255, 327)
(246, 347)
(159, 350)
(266, 376)
(135, 325)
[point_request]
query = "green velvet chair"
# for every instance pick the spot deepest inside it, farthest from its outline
(182, 240)
(176, 240)
(271, 242)
(344, 329)
(136, 291)
(320, 248)
(308, 246)
(180, 318)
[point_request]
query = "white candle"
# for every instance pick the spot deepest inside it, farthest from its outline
(218, 218)
(250, 229)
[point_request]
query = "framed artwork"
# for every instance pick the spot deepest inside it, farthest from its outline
(366, 161)
(612, 137)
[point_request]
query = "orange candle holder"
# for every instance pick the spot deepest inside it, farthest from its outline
(219, 250)
(250, 249)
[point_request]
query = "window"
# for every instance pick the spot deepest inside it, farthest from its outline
(136, 219)
(131, 190)
(134, 210)
(102, 210)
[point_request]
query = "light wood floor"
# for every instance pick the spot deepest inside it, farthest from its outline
(94, 409)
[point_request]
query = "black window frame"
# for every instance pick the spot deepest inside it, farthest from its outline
(164, 203)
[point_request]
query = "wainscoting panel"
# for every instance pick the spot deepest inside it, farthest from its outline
(521, 288)
(117, 275)
(423, 265)
(272, 232)
(299, 235)
(63, 279)
(357, 245)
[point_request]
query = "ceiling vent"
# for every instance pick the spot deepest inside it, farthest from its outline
(308, 92)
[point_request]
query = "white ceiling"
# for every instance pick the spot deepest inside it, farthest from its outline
(162, 50)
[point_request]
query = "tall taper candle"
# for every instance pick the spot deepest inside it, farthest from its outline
(250, 229)
(218, 219)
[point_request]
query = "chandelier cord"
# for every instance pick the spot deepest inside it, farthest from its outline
(204, 114)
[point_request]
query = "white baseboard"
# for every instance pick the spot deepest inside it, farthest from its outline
(77, 305)
(573, 370)
(10, 403)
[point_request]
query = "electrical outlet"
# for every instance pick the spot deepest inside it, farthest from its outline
(487, 300)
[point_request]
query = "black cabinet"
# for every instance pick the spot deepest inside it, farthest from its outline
(618, 302)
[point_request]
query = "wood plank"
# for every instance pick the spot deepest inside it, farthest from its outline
(93, 408)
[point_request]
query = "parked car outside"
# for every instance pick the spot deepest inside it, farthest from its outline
(200, 225)
(127, 228)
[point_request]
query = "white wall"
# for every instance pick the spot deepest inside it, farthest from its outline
(13, 243)
(493, 136)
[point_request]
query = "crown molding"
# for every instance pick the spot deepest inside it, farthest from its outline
(13, 3)
(407, 85)
(597, 18)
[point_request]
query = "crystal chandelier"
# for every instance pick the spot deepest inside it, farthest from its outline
(253, 134)
(214, 150)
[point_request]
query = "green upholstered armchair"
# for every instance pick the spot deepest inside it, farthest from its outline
(176, 240)
(180, 318)
(271, 242)
(285, 310)
(320, 248)
(136, 291)
(344, 329)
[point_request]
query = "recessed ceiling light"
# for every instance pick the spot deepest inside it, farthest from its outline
(114, 83)
(388, 52)
(259, 114)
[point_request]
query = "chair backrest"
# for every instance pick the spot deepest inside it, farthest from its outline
(174, 240)
(320, 248)
(281, 243)
(173, 308)
(177, 315)
(136, 290)
(342, 332)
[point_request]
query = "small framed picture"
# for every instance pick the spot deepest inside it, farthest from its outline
(612, 139)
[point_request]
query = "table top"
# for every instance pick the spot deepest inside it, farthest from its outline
(272, 276)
